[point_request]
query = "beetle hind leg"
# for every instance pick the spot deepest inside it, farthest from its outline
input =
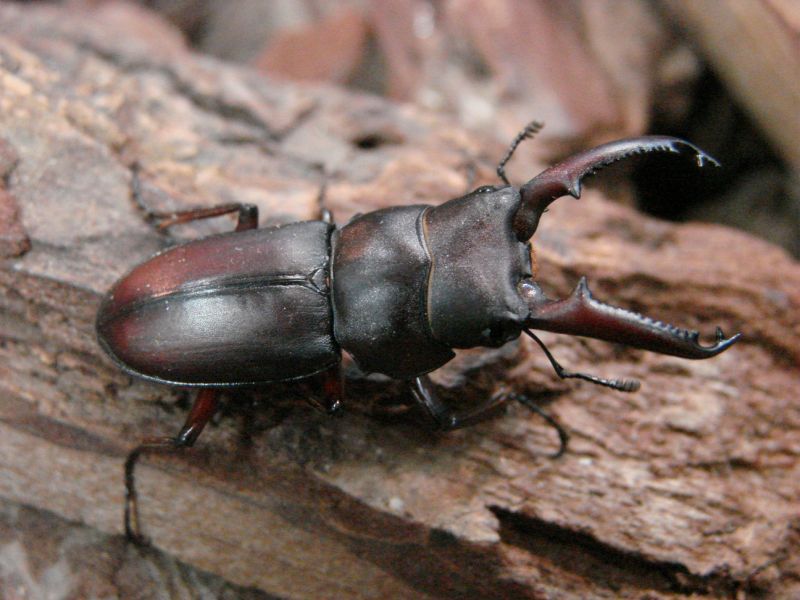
(448, 419)
(247, 217)
(204, 407)
(332, 397)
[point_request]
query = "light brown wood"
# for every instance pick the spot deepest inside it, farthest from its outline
(45, 556)
(689, 486)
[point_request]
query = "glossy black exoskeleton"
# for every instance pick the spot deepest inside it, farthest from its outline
(398, 289)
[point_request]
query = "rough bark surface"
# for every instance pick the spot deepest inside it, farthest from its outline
(44, 556)
(690, 486)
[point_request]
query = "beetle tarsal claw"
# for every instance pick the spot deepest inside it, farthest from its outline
(566, 178)
(582, 314)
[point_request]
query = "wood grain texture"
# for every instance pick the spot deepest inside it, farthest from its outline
(44, 556)
(688, 487)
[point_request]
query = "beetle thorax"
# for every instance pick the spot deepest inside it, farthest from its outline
(410, 283)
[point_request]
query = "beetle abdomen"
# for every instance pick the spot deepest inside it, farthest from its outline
(231, 309)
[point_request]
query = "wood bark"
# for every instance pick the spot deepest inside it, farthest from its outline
(688, 487)
(45, 556)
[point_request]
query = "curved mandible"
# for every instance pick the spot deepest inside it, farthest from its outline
(582, 314)
(566, 177)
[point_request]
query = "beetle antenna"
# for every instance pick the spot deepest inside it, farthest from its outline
(623, 385)
(531, 129)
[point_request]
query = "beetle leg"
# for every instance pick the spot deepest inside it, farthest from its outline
(448, 419)
(204, 407)
(332, 390)
(247, 218)
(566, 177)
(325, 214)
(563, 436)
(582, 314)
(445, 417)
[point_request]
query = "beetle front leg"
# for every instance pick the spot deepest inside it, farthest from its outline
(448, 419)
(204, 407)
(247, 217)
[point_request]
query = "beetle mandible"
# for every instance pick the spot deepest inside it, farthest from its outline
(397, 288)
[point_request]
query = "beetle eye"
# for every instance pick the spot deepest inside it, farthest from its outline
(485, 189)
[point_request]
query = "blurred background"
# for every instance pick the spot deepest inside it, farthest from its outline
(722, 74)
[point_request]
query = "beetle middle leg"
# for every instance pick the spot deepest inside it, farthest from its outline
(447, 418)
(204, 407)
(332, 390)
(247, 217)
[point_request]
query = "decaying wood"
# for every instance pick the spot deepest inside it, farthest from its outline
(688, 487)
(13, 240)
(44, 556)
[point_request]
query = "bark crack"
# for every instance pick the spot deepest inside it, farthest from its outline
(580, 553)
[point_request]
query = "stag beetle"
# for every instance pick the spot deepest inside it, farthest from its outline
(398, 289)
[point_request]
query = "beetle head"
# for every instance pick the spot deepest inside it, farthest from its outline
(476, 265)
(481, 290)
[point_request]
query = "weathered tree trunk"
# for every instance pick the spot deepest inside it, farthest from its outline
(689, 486)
